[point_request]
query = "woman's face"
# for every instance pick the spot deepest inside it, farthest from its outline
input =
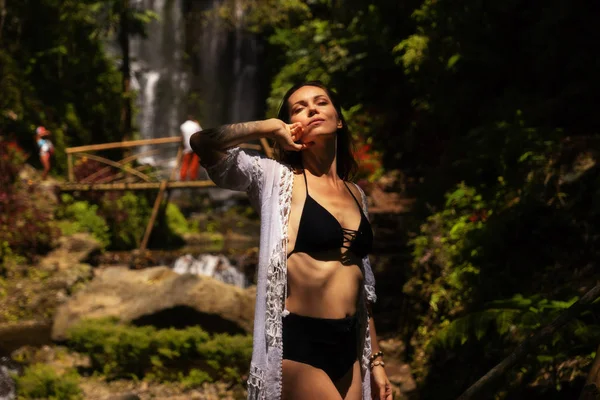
(312, 107)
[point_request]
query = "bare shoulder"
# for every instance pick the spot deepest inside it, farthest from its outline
(355, 189)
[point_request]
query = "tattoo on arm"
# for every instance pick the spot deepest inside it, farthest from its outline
(227, 136)
(210, 144)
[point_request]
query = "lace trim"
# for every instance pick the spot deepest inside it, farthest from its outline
(370, 289)
(257, 173)
(285, 198)
(366, 353)
(369, 292)
(366, 347)
(276, 278)
(277, 271)
(277, 287)
(256, 383)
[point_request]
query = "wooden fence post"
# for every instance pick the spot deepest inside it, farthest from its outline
(71, 174)
(161, 191)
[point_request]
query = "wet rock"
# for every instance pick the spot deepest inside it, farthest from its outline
(159, 296)
(7, 385)
(216, 266)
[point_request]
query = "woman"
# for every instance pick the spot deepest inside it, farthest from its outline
(314, 337)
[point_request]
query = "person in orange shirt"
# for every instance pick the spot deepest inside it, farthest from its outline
(190, 162)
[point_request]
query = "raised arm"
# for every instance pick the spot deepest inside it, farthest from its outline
(211, 144)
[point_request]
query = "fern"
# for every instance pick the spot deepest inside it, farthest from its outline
(518, 316)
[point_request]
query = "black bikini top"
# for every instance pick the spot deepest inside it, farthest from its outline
(320, 231)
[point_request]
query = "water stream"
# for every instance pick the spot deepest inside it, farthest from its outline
(216, 266)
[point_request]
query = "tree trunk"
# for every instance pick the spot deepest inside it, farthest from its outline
(478, 389)
(591, 390)
(2, 16)
(125, 71)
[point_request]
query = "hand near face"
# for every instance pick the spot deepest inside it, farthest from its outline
(289, 136)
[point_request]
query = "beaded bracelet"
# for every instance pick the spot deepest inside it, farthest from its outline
(375, 355)
(377, 363)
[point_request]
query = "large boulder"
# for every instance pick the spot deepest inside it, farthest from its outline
(158, 296)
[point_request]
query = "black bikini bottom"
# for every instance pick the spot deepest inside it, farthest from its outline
(328, 344)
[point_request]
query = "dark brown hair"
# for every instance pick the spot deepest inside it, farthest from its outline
(346, 165)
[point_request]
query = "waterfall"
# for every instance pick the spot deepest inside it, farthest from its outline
(193, 64)
(148, 103)
(217, 266)
(158, 73)
(245, 70)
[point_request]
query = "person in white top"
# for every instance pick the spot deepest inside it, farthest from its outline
(46, 149)
(190, 161)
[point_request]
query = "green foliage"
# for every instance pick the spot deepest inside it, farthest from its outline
(230, 354)
(344, 46)
(40, 381)
(195, 378)
(261, 15)
(80, 216)
(119, 220)
(60, 78)
(517, 316)
(161, 355)
(111, 11)
(9, 84)
(483, 289)
(480, 281)
(439, 251)
(413, 51)
(176, 221)
(26, 227)
(126, 215)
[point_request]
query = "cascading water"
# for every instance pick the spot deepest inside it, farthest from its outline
(159, 76)
(192, 62)
(216, 266)
(149, 92)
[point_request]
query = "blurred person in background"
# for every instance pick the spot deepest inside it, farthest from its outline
(190, 161)
(46, 149)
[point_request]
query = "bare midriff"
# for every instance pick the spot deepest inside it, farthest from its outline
(323, 289)
(325, 284)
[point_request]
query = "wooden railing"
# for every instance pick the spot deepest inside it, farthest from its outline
(122, 175)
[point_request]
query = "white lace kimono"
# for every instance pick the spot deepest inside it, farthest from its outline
(269, 187)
